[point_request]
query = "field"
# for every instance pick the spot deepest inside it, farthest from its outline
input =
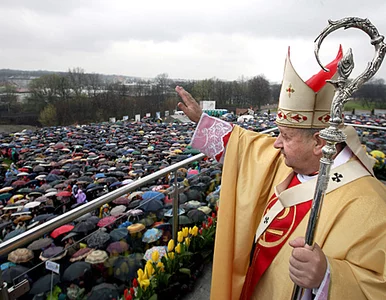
(15, 128)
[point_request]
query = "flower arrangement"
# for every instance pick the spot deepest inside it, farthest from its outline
(161, 272)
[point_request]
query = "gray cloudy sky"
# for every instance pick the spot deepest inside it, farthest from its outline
(185, 39)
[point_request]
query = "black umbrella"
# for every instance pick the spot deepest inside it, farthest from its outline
(42, 217)
(12, 274)
(98, 239)
(39, 244)
(118, 234)
(43, 284)
(84, 227)
(104, 291)
(76, 270)
(197, 215)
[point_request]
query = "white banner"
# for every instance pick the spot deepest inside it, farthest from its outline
(137, 118)
(112, 120)
(125, 118)
(148, 115)
(166, 113)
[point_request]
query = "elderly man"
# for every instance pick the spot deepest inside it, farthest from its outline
(266, 196)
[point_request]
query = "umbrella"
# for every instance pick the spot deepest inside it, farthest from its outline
(39, 244)
(85, 217)
(98, 239)
(53, 253)
(43, 284)
(20, 255)
(18, 183)
(42, 217)
(182, 220)
(11, 274)
(118, 234)
(94, 219)
(97, 257)
(153, 195)
(151, 235)
(32, 204)
(104, 291)
(61, 230)
(7, 265)
(80, 254)
(117, 247)
(41, 199)
(84, 227)
(135, 194)
(162, 250)
(106, 221)
(197, 215)
(147, 221)
(121, 201)
(118, 210)
(13, 234)
(22, 219)
(125, 267)
(70, 235)
(169, 213)
(76, 270)
(151, 204)
(64, 194)
(5, 224)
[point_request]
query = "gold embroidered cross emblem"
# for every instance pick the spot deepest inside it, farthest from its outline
(290, 90)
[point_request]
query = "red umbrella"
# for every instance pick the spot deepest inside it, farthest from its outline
(61, 230)
(19, 183)
(63, 194)
(106, 221)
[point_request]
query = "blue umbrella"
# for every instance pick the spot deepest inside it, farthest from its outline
(151, 205)
(100, 175)
(153, 195)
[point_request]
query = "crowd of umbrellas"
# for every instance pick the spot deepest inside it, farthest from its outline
(59, 168)
(100, 252)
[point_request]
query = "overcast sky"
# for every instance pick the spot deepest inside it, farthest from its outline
(186, 39)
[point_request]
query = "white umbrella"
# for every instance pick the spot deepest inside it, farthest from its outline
(118, 210)
(32, 204)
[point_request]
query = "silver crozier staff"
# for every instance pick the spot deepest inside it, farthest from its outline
(344, 88)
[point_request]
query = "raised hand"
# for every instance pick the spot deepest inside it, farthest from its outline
(189, 105)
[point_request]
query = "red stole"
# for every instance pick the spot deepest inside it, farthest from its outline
(273, 238)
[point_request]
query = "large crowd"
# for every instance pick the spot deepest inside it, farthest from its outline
(53, 170)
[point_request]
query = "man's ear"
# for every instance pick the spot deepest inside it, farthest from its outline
(319, 143)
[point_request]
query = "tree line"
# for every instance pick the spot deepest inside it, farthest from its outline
(76, 97)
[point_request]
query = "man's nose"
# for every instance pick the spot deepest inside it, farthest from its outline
(278, 143)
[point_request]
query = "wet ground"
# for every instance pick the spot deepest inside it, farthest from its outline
(202, 287)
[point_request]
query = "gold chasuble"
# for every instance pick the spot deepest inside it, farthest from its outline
(351, 231)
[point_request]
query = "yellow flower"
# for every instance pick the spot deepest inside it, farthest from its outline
(187, 241)
(155, 256)
(194, 230)
(190, 230)
(144, 283)
(178, 248)
(185, 231)
(180, 237)
(141, 275)
(149, 269)
(171, 255)
(171, 245)
(161, 266)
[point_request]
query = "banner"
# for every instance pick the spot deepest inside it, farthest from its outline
(166, 113)
(158, 115)
(137, 118)
(112, 120)
(125, 118)
(148, 115)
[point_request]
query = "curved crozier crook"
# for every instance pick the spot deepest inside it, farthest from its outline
(376, 40)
